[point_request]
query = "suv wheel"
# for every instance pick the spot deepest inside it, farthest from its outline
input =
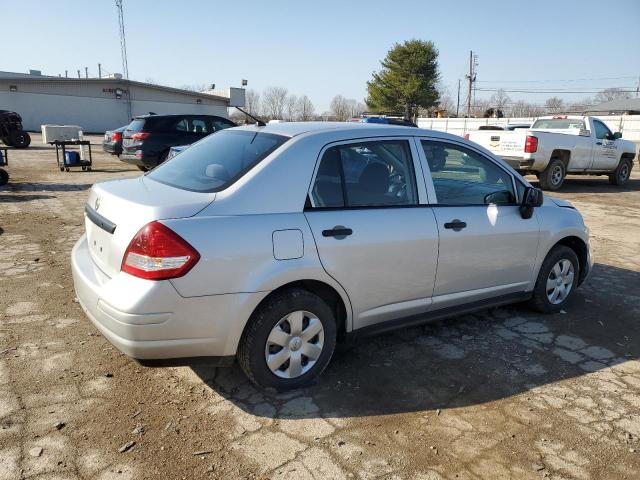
(621, 174)
(552, 177)
(288, 341)
(556, 281)
(142, 168)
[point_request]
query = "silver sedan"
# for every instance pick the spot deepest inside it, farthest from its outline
(266, 244)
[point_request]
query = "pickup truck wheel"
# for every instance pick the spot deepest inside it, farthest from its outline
(557, 279)
(288, 341)
(552, 177)
(621, 174)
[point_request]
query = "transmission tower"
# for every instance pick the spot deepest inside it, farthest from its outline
(123, 40)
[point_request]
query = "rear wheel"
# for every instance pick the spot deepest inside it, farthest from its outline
(552, 177)
(142, 168)
(4, 177)
(20, 139)
(288, 341)
(621, 174)
(557, 279)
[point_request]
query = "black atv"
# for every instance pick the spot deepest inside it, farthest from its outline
(11, 132)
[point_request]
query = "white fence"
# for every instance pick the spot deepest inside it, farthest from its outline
(629, 125)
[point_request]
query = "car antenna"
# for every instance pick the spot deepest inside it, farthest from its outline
(259, 122)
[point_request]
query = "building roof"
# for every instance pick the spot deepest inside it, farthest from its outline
(25, 77)
(617, 105)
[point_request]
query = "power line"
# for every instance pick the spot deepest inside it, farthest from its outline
(558, 80)
(618, 89)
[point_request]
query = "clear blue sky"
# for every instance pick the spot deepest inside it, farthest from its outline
(329, 47)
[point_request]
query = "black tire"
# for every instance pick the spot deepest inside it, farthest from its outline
(142, 168)
(552, 177)
(251, 351)
(20, 139)
(621, 174)
(540, 300)
(4, 177)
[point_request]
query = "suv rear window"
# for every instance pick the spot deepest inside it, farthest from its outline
(217, 161)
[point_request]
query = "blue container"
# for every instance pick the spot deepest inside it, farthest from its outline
(2, 162)
(71, 158)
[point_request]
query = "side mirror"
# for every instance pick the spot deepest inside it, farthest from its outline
(617, 135)
(533, 197)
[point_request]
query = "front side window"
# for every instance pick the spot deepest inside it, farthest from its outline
(217, 161)
(366, 174)
(602, 131)
(464, 177)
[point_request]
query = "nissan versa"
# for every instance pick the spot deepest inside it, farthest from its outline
(268, 243)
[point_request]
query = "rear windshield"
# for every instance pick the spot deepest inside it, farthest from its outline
(558, 124)
(217, 161)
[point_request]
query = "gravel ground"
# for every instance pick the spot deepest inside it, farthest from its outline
(503, 393)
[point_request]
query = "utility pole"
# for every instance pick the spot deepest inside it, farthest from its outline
(79, 74)
(86, 72)
(123, 41)
(99, 70)
(471, 77)
(458, 103)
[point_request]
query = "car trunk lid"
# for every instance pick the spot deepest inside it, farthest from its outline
(117, 210)
(501, 142)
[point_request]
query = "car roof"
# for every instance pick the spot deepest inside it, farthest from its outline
(292, 129)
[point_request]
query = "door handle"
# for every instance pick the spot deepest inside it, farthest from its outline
(455, 225)
(337, 231)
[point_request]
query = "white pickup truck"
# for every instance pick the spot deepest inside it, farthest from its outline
(557, 145)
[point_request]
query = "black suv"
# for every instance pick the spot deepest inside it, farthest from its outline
(148, 138)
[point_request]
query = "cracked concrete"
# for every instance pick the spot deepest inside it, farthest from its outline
(502, 393)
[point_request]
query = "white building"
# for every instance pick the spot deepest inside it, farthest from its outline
(99, 104)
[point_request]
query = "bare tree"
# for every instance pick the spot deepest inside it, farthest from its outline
(273, 102)
(252, 102)
(611, 94)
(197, 87)
(290, 108)
(554, 105)
(580, 106)
(525, 109)
(340, 108)
(500, 100)
(479, 108)
(305, 109)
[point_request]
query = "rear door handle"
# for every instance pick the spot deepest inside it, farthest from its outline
(337, 231)
(455, 225)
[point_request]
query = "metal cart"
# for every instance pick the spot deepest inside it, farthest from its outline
(61, 146)
(4, 161)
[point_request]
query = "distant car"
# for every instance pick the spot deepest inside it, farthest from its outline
(384, 121)
(173, 151)
(268, 243)
(112, 142)
(148, 138)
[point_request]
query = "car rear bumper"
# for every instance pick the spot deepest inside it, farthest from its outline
(149, 320)
(519, 163)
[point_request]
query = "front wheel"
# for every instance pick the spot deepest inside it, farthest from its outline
(288, 341)
(621, 174)
(4, 177)
(552, 177)
(557, 279)
(20, 139)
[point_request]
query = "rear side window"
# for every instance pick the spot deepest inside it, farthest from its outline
(367, 174)
(136, 125)
(217, 161)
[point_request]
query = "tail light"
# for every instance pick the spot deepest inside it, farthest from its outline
(158, 253)
(140, 136)
(466, 136)
(116, 136)
(531, 144)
